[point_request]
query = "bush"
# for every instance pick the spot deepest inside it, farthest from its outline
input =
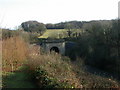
(60, 71)
(49, 70)
(45, 81)
(99, 46)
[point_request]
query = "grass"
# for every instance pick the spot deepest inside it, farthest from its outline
(45, 70)
(58, 33)
(55, 67)
(14, 53)
(17, 79)
(62, 70)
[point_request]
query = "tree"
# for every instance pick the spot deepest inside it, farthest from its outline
(33, 26)
(69, 27)
(50, 26)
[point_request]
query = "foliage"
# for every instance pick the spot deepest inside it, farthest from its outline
(6, 33)
(55, 26)
(60, 71)
(91, 77)
(47, 70)
(45, 81)
(26, 36)
(62, 25)
(99, 45)
(33, 26)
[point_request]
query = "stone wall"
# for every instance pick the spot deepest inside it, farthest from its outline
(60, 45)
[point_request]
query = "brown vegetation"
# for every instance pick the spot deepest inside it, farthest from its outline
(14, 53)
(54, 65)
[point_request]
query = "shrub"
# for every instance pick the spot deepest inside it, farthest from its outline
(45, 81)
(58, 70)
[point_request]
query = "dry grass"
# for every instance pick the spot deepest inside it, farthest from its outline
(64, 71)
(55, 67)
(90, 80)
(14, 53)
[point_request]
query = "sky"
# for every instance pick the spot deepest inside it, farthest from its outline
(14, 12)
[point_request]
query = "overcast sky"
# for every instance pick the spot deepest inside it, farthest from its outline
(14, 12)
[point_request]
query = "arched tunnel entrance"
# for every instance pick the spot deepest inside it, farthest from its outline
(55, 49)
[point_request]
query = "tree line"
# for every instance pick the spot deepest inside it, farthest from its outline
(99, 45)
(34, 26)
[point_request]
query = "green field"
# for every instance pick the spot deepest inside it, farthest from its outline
(59, 33)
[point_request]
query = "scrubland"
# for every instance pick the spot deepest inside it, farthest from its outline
(26, 63)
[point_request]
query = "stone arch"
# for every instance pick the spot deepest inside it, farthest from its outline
(55, 49)
(54, 45)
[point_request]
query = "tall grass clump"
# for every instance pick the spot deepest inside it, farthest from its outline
(14, 53)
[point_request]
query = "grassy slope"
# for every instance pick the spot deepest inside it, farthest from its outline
(56, 33)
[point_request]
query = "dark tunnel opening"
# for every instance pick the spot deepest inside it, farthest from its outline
(55, 49)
